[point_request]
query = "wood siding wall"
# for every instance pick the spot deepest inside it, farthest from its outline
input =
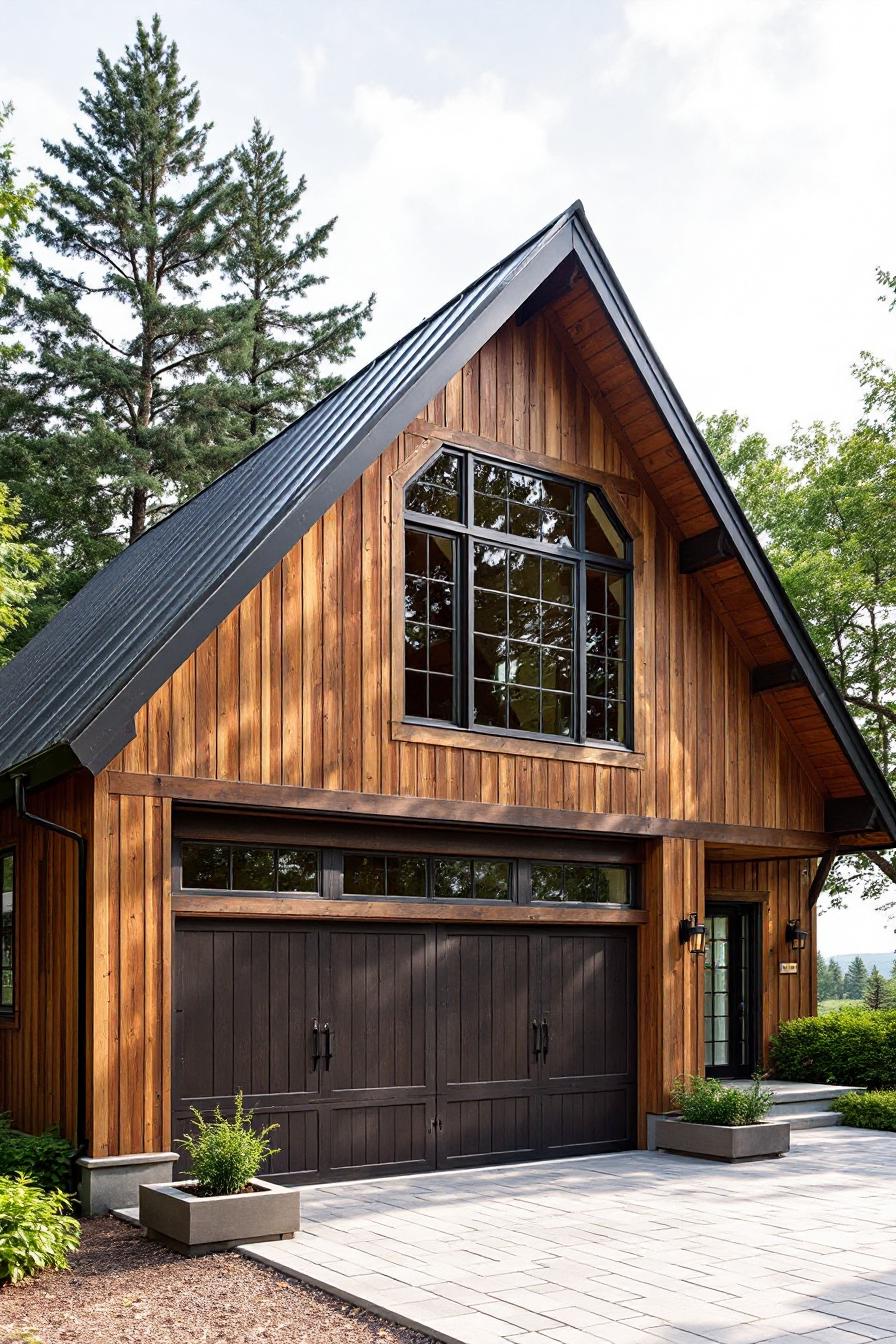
(294, 686)
(38, 1060)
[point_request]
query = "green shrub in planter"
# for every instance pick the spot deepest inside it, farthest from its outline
(226, 1154)
(706, 1101)
(46, 1157)
(36, 1231)
(868, 1110)
(855, 1047)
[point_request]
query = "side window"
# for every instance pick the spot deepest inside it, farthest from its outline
(7, 932)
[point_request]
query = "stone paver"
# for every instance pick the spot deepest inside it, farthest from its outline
(620, 1248)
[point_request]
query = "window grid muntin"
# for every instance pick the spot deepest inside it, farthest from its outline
(7, 932)
(468, 534)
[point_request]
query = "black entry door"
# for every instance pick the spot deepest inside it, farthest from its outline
(731, 990)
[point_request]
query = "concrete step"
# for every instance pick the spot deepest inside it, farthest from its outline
(807, 1119)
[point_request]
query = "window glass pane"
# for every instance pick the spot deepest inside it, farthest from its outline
(253, 868)
(364, 875)
(437, 490)
(429, 602)
(602, 534)
(7, 932)
(490, 703)
(492, 881)
(583, 883)
(297, 870)
(406, 876)
(547, 881)
(505, 500)
(205, 866)
(452, 879)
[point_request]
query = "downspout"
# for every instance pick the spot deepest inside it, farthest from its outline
(22, 812)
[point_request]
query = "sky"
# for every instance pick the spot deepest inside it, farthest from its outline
(732, 158)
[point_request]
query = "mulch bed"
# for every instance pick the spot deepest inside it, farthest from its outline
(123, 1289)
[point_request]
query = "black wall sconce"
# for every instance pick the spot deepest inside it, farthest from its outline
(693, 933)
(797, 937)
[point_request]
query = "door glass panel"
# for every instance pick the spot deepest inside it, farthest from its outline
(716, 1050)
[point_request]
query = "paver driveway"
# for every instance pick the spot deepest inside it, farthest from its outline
(633, 1246)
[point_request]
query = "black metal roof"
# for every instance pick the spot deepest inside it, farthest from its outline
(71, 694)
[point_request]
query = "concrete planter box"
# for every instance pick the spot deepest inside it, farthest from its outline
(198, 1225)
(726, 1143)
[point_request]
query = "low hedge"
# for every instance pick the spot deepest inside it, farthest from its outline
(46, 1158)
(868, 1110)
(855, 1047)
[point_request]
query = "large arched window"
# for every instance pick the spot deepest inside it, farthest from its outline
(518, 603)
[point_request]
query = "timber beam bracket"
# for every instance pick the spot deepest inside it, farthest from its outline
(705, 550)
(773, 676)
(849, 816)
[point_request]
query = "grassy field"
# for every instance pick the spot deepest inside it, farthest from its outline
(831, 1005)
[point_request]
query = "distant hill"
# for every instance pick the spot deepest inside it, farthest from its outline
(882, 960)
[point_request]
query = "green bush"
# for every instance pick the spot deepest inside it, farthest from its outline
(36, 1231)
(45, 1157)
(706, 1101)
(855, 1047)
(868, 1110)
(226, 1154)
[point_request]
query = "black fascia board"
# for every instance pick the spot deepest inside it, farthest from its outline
(717, 490)
(112, 727)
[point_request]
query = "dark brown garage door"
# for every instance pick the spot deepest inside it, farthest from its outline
(385, 1049)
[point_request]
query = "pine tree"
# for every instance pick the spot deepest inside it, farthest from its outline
(118, 415)
(875, 990)
(835, 980)
(855, 981)
(286, 364)
(823, 978)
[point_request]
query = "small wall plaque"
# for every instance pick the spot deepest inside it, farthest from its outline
(789, 967)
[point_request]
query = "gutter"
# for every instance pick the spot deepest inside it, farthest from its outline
(19, 785)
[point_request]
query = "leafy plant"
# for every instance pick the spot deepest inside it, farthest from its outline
(227, 1153)
(36, 1230)
(46, 1157)
(706, 1101)
(855, 1047)
(868, 1110)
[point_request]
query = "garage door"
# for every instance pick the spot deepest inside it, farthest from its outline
(397, 1048)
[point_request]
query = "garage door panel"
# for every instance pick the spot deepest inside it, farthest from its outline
(586, 1121)
(298, 1140)
(588, 1005)
(374, 1139)
(488, 1129)
(485, 1008)
(378, 1004)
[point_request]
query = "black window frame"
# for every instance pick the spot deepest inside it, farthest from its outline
(331, 861)
(8, 1010)
(465, 534)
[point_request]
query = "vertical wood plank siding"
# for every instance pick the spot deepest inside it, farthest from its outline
(38, 1061)
(295, 686)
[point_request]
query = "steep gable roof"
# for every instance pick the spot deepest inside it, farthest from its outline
(70, 696)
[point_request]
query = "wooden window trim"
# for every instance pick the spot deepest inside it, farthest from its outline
(628, 757)
(231, 905)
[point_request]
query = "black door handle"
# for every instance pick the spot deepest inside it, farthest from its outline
(328, 1044)
(536, 1046)
(315, 1043)
(545, 1037)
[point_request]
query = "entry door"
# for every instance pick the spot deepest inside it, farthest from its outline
(731, 990)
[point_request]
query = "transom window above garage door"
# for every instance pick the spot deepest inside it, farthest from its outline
(518, 603)
(353, 874)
